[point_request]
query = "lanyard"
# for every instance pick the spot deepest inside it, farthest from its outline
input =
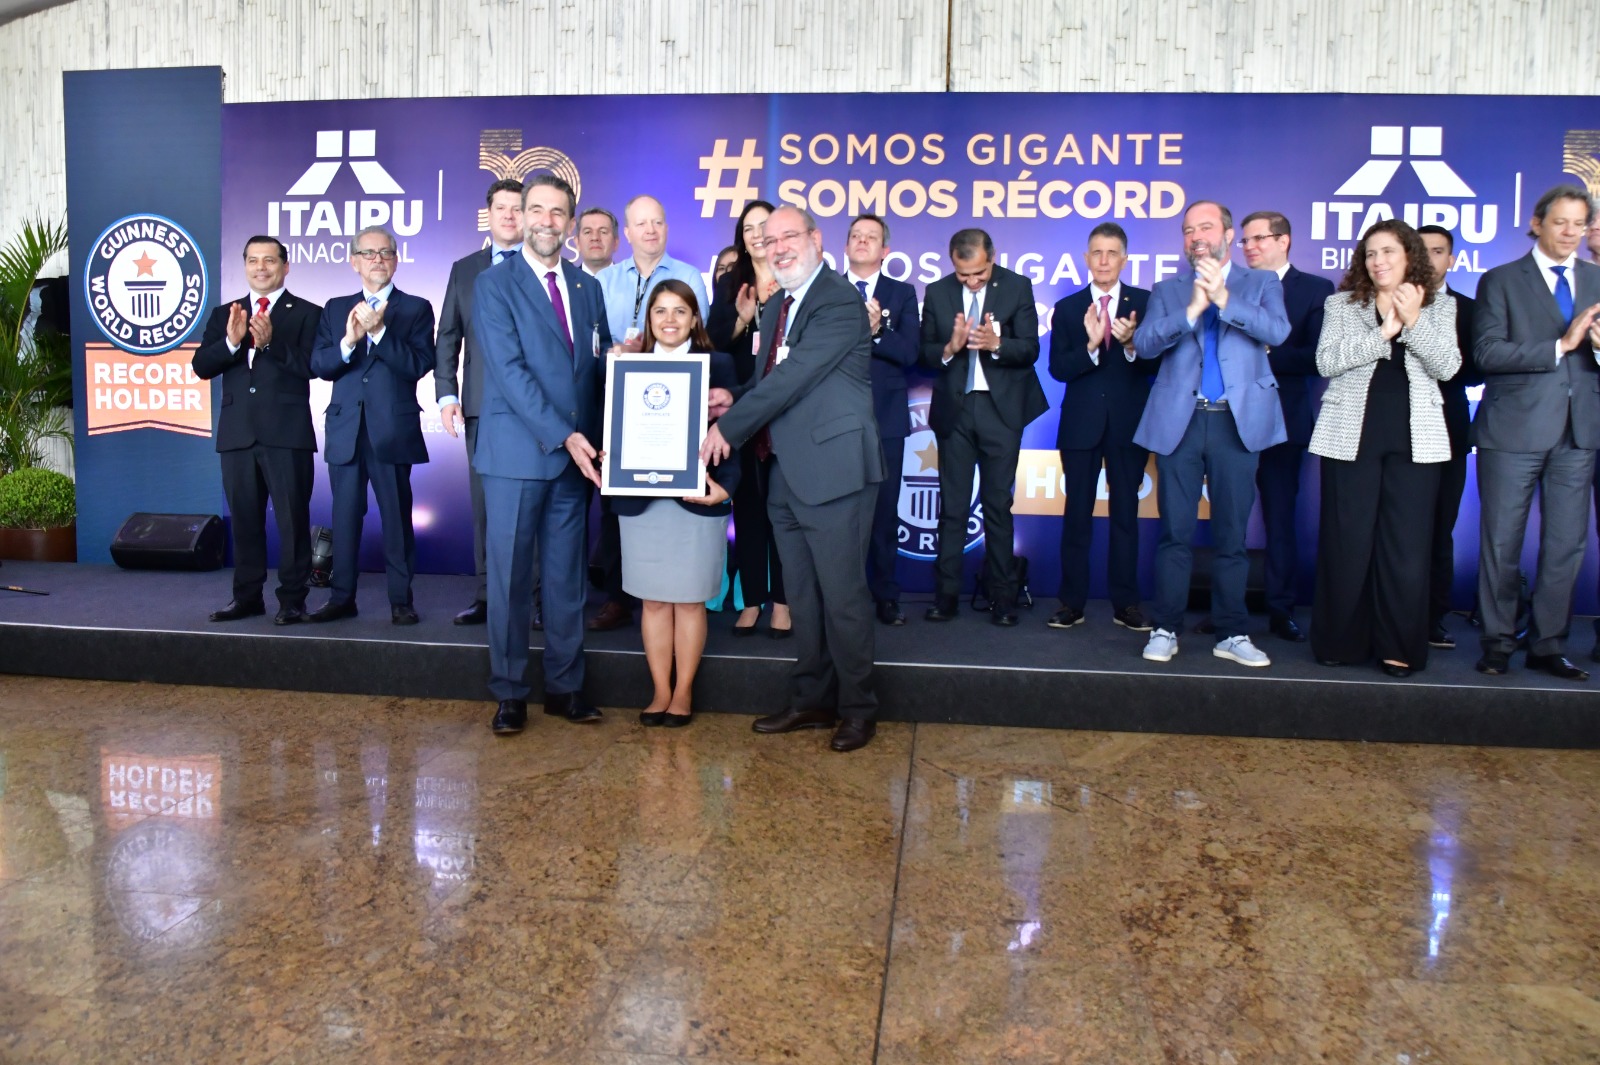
(639, 289)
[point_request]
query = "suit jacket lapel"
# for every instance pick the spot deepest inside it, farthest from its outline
(579, 283)
(538, 297)
(1539, 292)
(1586, 291)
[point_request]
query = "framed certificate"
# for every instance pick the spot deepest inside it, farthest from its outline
(655, 421)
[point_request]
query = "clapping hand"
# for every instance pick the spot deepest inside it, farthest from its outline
(1094, 326)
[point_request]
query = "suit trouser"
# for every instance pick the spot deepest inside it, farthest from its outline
(981, 439)
(1278, 482)
(755, 553)
(1373, 551)
(1442, 564)
(1080, 467)
(547, 519)
(391, 487)
(1210, 450)
(475, 488)
(824, 549)
(1506, 481)
(251, 478)
(885, 550)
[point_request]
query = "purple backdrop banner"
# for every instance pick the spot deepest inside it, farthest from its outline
(1037, 171)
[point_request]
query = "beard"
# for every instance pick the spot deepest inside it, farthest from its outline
(544, 240)
(1202, 250)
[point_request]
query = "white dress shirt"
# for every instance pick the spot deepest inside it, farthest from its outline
(255, 304)
(382, 296)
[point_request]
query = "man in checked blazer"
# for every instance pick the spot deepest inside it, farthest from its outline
(810, 408)
(1538, 425)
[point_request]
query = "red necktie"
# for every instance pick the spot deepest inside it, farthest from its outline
(764, 437)
(249, 337)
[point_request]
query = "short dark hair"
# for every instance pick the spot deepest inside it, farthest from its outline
(1563, 192)
(503, 185)
(550, 181)
(283, 253)
(968, 242)
(1227, 215)
(1438, 231)
(600, 210)
(1110, 229)
(868, 216)
(1277, 222)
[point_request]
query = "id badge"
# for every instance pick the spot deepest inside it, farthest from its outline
(783, 353)
(594, 341)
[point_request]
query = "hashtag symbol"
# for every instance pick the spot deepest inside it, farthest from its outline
(720, 162)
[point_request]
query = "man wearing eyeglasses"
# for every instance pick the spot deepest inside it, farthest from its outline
(809, 408)
(1213, 409)
(374, 345)
(1266, 242)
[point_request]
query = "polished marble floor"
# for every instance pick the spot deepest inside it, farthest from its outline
(196, 875)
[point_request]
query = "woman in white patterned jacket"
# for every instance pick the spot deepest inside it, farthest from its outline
(1386, 343)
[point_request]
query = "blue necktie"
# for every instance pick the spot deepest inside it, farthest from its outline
(972, 353)
(502, 254)
(862, 286)
(1563, 294)
(1210, 369)
(372, 301)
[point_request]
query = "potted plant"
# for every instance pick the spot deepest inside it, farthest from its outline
(38, 515)
(35, 365)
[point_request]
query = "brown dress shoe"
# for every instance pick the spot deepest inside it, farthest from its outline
(853, 734)
(791, 720)
(611, 616)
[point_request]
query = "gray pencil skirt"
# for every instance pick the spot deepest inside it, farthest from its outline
(672, 555)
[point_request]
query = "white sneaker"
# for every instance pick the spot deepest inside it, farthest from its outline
(1239, 649)
(1162, 646)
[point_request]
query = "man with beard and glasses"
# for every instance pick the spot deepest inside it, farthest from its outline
(1212, 410)
(809, 408)
(542, 328)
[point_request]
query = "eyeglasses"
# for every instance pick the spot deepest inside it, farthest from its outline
(782, 238)
(1262, 239)
(386, 254)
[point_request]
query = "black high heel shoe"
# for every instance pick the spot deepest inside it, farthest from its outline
(750, 629)
(652, 720)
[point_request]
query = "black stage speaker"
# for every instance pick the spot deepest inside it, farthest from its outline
(169, 541)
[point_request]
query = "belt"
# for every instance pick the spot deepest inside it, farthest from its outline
(1202, 403)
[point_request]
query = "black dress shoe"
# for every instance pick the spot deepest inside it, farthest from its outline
(791, 720)
(403, 614)
(652, 718)
(1065, 618)
(678, 720)
(1284, 628)
(1557, 666)
(476, 614)
(236, 610)
(572, 706)
(1003, 614)
(1395, 671)
(1440, 637)
(333, 610)
(889, 612)
(510, 717)
(612, 615)
(1205, 626)
(945, 608)
(290, 615)
(1494, 663)
(853, 734)
(1131, 618)
(1329, 662)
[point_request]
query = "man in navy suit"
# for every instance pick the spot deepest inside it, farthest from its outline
(1091, 349)
(541, 326)
(892, 311)
(374, 346)
(261, 347)
(1213, 409)
(1265, 238)
(458, 370)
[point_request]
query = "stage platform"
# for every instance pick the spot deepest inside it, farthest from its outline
(104, 623)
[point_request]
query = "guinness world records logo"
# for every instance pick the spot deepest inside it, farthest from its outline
(919, 491)
(145, 283)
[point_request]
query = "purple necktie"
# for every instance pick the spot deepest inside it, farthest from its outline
(561, 308)
(1105, 319)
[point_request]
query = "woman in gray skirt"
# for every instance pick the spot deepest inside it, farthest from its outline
(674, 551)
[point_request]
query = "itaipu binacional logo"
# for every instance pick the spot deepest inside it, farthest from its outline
(145, 283)
(919, 492)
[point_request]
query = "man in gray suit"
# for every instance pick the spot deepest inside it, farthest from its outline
(458, 367)
(810, 409)
(1538, 425)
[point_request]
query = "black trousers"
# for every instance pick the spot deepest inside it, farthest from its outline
(981, 439)
(1080, 467)
(252, 478)
(1373, 551)
(884, 551)
(755, 553)
(1278, 486)
(1442, 576)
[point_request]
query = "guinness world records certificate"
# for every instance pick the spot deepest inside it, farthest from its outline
(655, 421)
